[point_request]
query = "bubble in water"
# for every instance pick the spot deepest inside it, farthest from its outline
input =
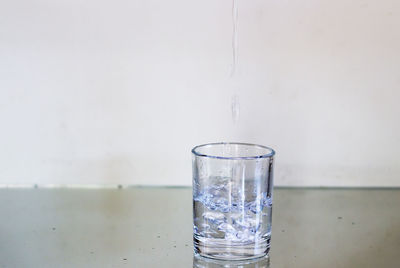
(214, 217)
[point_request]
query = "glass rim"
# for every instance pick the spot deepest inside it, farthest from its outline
(268, 155)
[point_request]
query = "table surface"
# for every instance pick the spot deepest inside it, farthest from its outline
(152, 227)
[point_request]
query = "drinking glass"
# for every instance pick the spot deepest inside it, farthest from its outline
(232, 200)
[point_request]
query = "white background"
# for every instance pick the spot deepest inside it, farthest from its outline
(108, 92)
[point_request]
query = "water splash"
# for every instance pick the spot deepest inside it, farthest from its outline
(232, 213)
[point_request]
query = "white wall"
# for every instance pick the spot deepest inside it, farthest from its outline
(119, 91)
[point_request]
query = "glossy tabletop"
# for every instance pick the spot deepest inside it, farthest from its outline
(152, 227)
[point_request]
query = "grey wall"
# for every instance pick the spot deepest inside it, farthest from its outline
(119, 91)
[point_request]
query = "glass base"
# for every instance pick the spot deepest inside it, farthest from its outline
(232, 252)
(202, 262)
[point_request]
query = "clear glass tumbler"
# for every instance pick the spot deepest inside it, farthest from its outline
(232, 200)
